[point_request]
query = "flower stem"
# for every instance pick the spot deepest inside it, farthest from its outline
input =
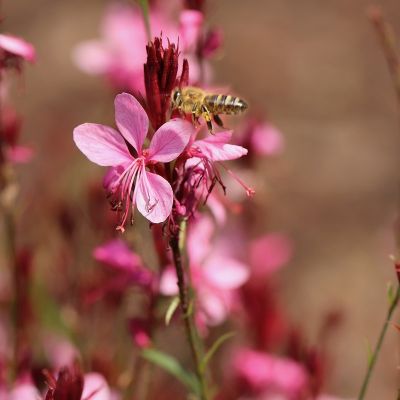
(378, 346)
(187, 312)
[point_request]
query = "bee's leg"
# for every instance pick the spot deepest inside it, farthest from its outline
(218, 120)
(207, 116)
(194, 115)
(181, 113)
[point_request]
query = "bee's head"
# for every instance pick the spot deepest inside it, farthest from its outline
(176, 97)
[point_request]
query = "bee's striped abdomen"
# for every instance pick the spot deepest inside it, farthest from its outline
(222, 104)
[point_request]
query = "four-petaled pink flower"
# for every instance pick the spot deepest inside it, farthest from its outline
(215, 275)
(266, 375)
(120, 53)
(132, 183)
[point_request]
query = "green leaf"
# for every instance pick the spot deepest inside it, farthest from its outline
(172, 366)
(214, 348)
(171, 309)
(144, 5)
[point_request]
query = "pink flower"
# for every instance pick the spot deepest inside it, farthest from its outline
(214, 276)
(17, 47)
(9, 135)
(121, 51)
(95, 387)
(23, 391)
(119, 256)
(71, 384)
(139, 330)
(267, 140)
(261, 137)
(269, 253)
(19, 154)
(134, 185)
(201, 170)
(191, 26)
(268, 374)
(217, 148)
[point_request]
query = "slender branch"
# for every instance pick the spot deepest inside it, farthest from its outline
(187, 312)
(145, 11)
(378, 346)
(388, 43)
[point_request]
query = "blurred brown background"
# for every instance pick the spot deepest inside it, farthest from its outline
(316, 69)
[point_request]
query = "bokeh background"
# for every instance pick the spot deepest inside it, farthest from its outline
(316, 70)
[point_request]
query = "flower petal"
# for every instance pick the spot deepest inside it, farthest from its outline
(214, 304)
(216, 147)
(18, 47)
(116, 253)
(267, 140)
(95, 387)
(168, 282)
(154, 197)
(199, 239)
(269, 253)
(101, 144)
(191, 23)
(261, 371)
(170, 140)
(225, 273)
(131, 119)
(23, 391)
(92, 57)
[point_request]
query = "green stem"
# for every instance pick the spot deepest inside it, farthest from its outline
(187, 312)
(378, 346)
(145, 11)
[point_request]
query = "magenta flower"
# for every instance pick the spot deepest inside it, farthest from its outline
(201, 172)
(266, 375)
(261, 138)
(215, 276)
(22, 391)
(268, 254)
(14, 46)
(134, 184)
(217, 148)
(95, 387)
(117, 255)
(121, 51)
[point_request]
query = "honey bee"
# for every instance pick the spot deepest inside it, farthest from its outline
(195, 101)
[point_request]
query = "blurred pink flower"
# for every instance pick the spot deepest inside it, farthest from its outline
(9, 135)
(19, 154)
(139, 329)
(59, 351)
(70, 383)
(117, 254)
(191, 25)
(95, 387)
(266, 374)
(22, 391)
(269, 253)
(121, 51)
(261, 138)
(266, 140)
(214, 276)
(16, 47)
(152, 194)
